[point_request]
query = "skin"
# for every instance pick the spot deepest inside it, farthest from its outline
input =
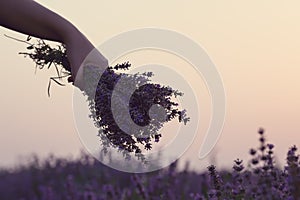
(31, 18)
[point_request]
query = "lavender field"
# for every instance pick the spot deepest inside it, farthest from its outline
(88, 179)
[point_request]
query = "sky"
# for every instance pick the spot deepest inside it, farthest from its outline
(254, 45)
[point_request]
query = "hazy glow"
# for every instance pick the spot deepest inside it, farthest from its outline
(255, 45)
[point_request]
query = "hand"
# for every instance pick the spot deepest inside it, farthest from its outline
(80, 53)
(31, 18)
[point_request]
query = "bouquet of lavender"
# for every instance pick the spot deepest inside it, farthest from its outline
(114, 130)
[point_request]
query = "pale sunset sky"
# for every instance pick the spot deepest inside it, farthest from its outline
(255, 46)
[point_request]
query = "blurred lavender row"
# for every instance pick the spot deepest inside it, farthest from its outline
(88, 179)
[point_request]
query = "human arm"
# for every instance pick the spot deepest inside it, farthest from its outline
(31, 18)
